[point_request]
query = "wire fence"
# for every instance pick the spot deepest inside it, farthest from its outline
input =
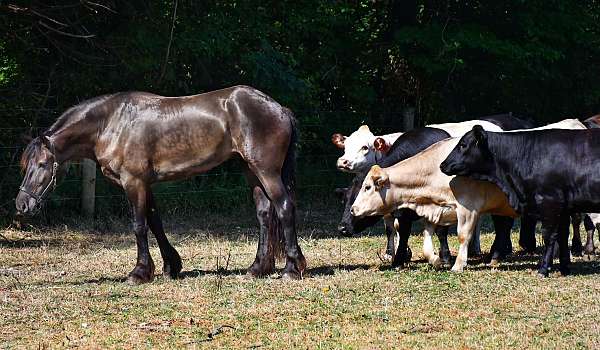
(220, 189)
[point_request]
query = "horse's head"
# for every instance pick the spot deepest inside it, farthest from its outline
(40, 167)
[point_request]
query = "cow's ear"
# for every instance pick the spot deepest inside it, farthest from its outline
(338, 140)
(379, 177)
(479, 133)
(381, 145)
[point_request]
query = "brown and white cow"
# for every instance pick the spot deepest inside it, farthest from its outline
(418, 184)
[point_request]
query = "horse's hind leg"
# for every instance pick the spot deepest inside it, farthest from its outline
(264, 263)
(286, 213)
(144, 268)
(171, 259)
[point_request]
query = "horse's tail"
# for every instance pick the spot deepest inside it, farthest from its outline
(288, 177)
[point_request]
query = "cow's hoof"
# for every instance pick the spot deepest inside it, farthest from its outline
(387, 257)
(437, 262)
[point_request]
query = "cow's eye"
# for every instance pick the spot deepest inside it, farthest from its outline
(364, 148)
(368, 187)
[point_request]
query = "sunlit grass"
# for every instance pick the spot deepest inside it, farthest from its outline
(65, 287)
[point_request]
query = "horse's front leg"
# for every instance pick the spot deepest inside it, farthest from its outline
(171, 259)
(428, 251)
(143, 271)
(467, 221)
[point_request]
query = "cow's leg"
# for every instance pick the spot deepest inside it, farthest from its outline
(563, 243)
(467, 220)
(403, 253)
(576, 246)
(550, 223)
(171, 259)
(144, 268)
(428, 251)
(502, 246)
(264, 261)
(442, 234)
(475, 243)
(527, 234)
(589, 228)
(390, 232)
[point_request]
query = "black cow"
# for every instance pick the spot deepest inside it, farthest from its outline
(547, 173)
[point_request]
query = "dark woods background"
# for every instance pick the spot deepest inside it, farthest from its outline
(335, 63)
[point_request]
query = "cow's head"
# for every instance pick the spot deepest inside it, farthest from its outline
(470, 156)
(371, 198)
(350, 225)
(359, 149)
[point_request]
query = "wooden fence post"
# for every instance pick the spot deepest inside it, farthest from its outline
(88, 187)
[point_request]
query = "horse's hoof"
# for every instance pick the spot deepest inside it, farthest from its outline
(258, 270)
(577, 253)
(135, 278)
(495, 262)
(291, 275)
(172, 269)
(141, 274)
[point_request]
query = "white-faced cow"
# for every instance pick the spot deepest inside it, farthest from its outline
(548, 173)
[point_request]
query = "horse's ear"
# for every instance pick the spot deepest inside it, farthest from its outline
(479, 133)
(46, 141)
(26, 138)
(338, 140)
(381, 145)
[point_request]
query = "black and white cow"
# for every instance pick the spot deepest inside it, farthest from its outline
(546, 173)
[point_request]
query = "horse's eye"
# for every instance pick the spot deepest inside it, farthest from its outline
(42, 164)
(364, 148)
(368, 187)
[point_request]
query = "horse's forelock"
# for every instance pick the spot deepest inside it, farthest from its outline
(30, 151)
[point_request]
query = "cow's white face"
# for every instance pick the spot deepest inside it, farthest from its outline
(371, 198)
(359, 152)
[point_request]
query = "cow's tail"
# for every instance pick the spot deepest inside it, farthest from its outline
(288, 176)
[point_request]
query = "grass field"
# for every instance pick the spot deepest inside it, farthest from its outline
(63, 287)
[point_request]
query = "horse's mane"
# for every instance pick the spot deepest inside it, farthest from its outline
(73, 114)
(70, 116)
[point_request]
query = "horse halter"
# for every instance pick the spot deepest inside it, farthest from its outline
(46, 191)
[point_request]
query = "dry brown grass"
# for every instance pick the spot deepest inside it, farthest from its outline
(64, 288)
